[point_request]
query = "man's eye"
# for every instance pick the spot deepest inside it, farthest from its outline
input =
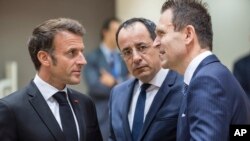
(142, 48)
(160, 33)
(127, 52)
(72, 52)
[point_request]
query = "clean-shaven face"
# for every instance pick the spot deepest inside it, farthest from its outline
(69, 59)
(144, 65)
(170, 43)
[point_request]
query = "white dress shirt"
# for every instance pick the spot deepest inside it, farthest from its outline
(156, 83)
(47, 92)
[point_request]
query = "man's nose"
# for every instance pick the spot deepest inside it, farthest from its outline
(81, 59)
(136, 56)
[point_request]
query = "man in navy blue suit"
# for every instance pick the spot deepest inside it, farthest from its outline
(213, 99)
(105, 68)
(150, 115)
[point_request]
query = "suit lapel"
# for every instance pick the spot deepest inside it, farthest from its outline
(44, 112)
(182, 119)
(209, 59)
(127, 102)
(158, 101)
(75, 102)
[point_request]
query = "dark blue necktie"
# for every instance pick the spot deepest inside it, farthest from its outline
(67, 118)
(139, 112)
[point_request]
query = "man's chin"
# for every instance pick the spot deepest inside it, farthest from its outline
(143, 76)
(140, 73)
(164, 64)
(140, 70)
(75, 82)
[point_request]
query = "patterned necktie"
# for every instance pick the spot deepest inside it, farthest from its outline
(139, 112)
(67, 118)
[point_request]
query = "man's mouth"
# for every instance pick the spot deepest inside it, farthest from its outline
(162, 52)
(139, 67)
(77, 72)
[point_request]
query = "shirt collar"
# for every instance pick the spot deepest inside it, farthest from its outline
(106, 50)
(193, 66)
(46, 89)
(158, 79)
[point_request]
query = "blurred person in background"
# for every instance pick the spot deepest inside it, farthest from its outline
(104, 70)
(241, 71)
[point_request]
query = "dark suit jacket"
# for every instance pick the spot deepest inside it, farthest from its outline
(25, 116)
(99, 92)
(241, 71)
(161, 120)
(213, 102)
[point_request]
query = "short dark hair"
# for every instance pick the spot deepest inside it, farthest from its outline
(195, 13)
(148, 24)
(43, 36)
(106, 25)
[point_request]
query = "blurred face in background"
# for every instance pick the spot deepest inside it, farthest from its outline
(109, 34)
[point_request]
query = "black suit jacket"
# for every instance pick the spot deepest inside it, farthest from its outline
(25, 116)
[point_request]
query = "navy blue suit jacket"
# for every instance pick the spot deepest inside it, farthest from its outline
(161, 120)
(25, 116)
(214, 100)
(241, 71)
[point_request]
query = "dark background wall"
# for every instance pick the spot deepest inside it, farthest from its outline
(19, 17)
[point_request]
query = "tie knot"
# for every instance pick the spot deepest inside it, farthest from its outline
(145, 86)
(60, 97)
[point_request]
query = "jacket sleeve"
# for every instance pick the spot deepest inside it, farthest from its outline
(92, 76)
(111, 131)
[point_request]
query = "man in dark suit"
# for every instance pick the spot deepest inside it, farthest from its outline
(46, 110)
(213, 99)
(149, 115)
(105, 69)
(241, 71)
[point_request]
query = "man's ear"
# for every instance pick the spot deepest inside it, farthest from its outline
(44, 58)
(189, 33)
